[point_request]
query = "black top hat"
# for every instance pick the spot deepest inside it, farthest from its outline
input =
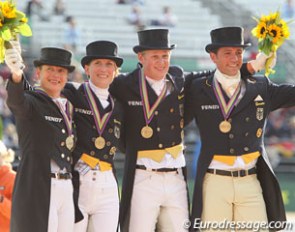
(56, 57)
(102, 50)
(227, 37)
(154, 39)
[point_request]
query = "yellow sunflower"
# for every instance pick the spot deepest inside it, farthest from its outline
(273, 16)
(264, 18)
(260, 30)
(285, 30)
(12, 23)
(271, 32)
(8, 10)
(275, 32)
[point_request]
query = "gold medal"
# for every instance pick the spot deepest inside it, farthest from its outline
(226, 107)
(99, 142)
(146, 132)
(70, 142)
(225, 126)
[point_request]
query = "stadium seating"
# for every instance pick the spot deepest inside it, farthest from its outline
(106, 20)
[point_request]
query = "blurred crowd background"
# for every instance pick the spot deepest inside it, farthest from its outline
(74, 23)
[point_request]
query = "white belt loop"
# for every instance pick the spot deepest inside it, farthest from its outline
(232, 173)
(57, 175)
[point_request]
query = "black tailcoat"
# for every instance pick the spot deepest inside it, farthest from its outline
(87, 132)
(248, 120)
(167, 125)
(42, 134)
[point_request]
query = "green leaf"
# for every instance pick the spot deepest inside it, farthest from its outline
(25, 29)
(256, 19)
(6, 34)
(20, 14)
(265, 46)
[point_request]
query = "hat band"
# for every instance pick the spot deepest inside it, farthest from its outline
(55, 61)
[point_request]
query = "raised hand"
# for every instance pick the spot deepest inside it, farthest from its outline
(14, 61)
(259, 63)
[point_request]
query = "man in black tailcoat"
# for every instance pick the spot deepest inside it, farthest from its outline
(234, 180)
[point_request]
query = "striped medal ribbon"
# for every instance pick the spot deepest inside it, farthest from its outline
(226, 108)
(100, 122)
(67, 115)
(148, 110)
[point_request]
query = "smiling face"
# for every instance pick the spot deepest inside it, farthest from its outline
(155, 63)
(228, 60)
(52, 79)
(101, 72)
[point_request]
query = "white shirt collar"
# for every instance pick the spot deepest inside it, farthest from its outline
(61, 101)
(157, 85)
(102, 94)
(226, 80)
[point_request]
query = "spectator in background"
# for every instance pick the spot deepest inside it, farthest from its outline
(134, 2)
(135, 18)
(10, 137)
(36, 7)
(7, 120)
(138, 2)
(251, 53)
(167, 19)
(2, 102)
(291, 122)
(288, 9)
(31, 5)
(77, 76)
(7, 176)
(122, 1)
(72, 34)
(277, 129)
(59, 7)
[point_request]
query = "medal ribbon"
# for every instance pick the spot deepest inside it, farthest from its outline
(99, 122)
(66, 114)
(226, 108)
(147, 109)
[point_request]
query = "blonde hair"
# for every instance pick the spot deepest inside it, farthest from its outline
(7, 155)
(117, 72)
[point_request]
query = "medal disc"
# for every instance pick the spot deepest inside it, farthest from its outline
(70, 142)
(99, 142)
(225, 126)
(146, 132)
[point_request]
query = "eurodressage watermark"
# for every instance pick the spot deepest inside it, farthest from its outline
(254, 226)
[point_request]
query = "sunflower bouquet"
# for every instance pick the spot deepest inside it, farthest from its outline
(12, 23)
(271, 31)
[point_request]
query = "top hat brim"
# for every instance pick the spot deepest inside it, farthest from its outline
(38, 63)
(140, 48)
(87, 59)
(211, 47)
